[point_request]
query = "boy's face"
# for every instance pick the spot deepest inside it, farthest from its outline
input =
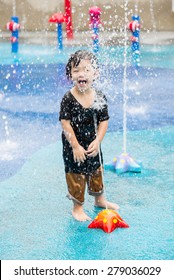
(83, 75)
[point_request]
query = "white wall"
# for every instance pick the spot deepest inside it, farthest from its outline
(34, 14)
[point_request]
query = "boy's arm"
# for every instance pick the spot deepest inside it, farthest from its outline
(69, 133)
(93, 148)
(102, 128)
(78, 151)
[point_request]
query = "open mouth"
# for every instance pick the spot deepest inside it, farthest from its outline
(82, 82)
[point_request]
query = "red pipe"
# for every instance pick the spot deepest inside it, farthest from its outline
(68, 16)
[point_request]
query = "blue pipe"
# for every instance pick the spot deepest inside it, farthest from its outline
(59, 36)
(14, 45)
(96, 40)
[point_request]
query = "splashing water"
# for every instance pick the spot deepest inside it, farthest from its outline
(14, 7)
(100, 158)
(6, 127)
(99, 102)
(153, 21)
(125, 80)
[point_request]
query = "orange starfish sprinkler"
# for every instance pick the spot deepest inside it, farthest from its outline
(108, 220)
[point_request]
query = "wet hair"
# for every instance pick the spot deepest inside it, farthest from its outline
(75, 59)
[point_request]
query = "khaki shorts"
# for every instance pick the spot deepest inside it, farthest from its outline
(77, 184)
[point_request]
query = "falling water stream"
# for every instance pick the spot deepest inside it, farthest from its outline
(153, 21)
(6, 127)
(125, 79)
(14, 7)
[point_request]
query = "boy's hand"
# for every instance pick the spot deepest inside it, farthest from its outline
(93, 148)
(79, 154)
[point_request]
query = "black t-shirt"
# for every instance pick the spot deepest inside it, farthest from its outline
(84, 122)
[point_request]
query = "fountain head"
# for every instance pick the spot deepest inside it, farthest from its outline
(13, 39)
(123, 163)
(12, 26)
(57, 18)
(133, 25)
(95, 13)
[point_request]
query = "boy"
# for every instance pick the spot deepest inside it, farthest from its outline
(84, 118)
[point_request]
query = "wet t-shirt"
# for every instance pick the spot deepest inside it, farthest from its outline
(84, 122)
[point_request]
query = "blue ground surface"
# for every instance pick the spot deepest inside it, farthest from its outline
(36, 222)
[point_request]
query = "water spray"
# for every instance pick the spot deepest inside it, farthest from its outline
(153, 21)
(124, 162)
(100, 158)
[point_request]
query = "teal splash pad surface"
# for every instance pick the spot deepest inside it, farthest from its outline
(161, 56)
(36, 221)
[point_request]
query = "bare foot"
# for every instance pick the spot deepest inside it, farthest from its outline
(79, 214)
(100, 201)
